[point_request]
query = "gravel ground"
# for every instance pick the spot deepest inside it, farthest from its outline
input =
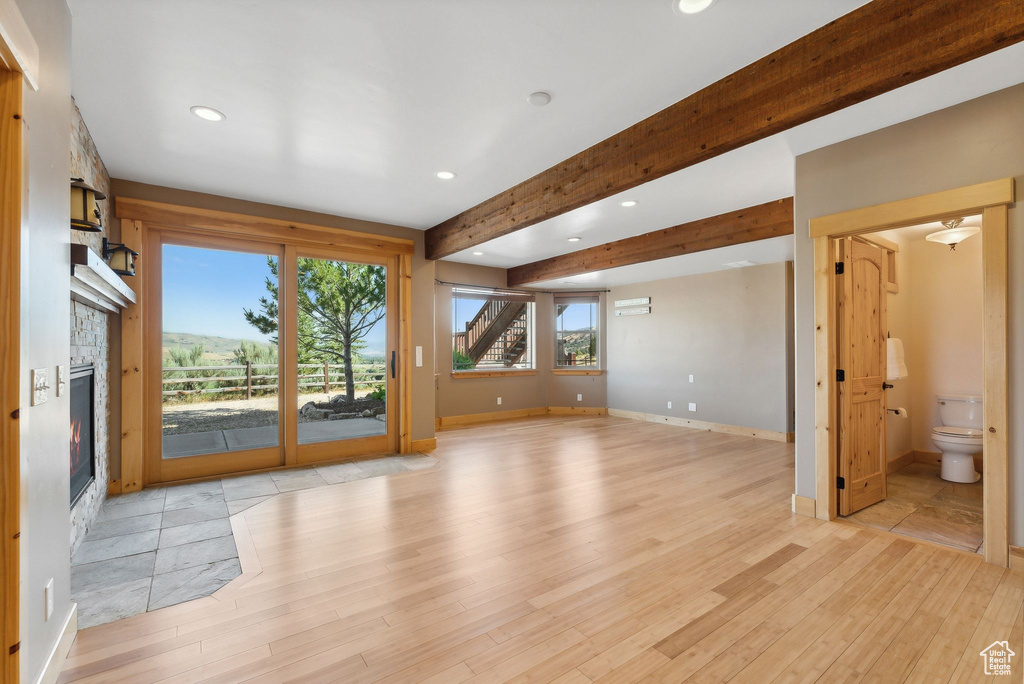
(179, 419)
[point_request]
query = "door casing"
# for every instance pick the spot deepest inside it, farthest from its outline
(144, 221)
(991, 200)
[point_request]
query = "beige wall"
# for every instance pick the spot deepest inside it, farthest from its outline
(45, 343)
(897, 308)
(730, 329)
(457, 397)
(422, 276)
(970, 143)
(946, 317)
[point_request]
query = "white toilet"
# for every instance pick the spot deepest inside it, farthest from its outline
(959, 437)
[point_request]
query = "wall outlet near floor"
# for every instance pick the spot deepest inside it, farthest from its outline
(499, 401)
(691, 377)
(693, 407)
(670, 404)
(579, 397)
(48, 596)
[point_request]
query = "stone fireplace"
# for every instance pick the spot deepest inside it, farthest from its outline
(90, 341)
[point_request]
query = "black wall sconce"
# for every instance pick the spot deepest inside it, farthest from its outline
(85, 215)
(121, 258)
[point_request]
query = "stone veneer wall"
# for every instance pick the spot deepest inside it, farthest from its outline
(91, 329)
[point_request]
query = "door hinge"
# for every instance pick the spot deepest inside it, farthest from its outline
(840, 268)
(840, 375)
(840, 483)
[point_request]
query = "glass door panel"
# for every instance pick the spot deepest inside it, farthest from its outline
(219, 353)
(343, 360)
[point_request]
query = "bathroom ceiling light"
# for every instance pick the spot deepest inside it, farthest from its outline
(445, 175)
(953, 234)
(538, 99)
(691, 6)
(574, 239)
(628, 203)
(207, 113)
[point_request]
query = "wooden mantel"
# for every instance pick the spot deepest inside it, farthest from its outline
(94, 283)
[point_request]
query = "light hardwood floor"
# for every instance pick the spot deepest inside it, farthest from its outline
(570, 550)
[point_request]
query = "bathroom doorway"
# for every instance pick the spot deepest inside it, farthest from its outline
(863, 465)
(921, 325)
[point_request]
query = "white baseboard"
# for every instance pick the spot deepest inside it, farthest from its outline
(705, 425)
(51, 671)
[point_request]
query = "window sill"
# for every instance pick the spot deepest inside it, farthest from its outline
(465, 375)
(577, 371)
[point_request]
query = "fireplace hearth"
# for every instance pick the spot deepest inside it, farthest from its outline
(83, 429)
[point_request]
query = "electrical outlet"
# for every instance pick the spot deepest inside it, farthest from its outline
(579, 397)
(693, 407)
(419, 356)
(499, 401)
(670, 404)
(62, 380)
(48, 596)
(691, 377)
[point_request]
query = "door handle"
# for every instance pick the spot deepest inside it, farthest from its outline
(393, 354)
(886, 385)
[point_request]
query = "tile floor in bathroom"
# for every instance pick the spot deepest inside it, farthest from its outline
(166, 545)
(922, 505)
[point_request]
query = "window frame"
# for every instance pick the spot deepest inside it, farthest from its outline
(594, 299)
(528, 364)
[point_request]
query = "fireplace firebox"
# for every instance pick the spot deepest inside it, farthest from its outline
(83, 429)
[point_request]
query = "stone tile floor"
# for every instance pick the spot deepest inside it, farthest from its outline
(167, 545)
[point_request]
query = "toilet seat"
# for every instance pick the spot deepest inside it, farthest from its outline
(958, 433)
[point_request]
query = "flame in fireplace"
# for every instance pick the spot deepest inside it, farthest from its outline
(76, 443)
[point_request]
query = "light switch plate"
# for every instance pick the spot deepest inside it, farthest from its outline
(48, 598)
(40, 385)
(693, 407)
(419, 356)
(62, 379)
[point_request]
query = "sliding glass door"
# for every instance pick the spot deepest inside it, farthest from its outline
(267, 356)
(345, 356)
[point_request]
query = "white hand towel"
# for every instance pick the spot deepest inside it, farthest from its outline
(897, 366)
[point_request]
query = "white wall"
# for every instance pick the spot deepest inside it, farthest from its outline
(976, 141)
(728, 328)
(945, 354)
(45, 342)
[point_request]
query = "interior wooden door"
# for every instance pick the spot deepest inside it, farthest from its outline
(861, 360)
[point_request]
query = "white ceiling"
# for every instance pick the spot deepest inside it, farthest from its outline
(768, 251)
(350, 106)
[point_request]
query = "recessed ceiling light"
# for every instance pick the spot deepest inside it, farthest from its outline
(538, 99)
(445, 175)
(575, 239)
(207, 113)
(478, 253)
(691, 6)
(628, 203)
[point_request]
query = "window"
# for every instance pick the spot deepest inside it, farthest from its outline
(576, 331)
(491, 329)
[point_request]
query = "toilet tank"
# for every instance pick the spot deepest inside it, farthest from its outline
(961, 410)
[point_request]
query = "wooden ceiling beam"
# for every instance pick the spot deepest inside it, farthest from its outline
(876, 48)
(760, 222)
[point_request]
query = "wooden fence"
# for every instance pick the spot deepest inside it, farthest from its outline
(250, 377)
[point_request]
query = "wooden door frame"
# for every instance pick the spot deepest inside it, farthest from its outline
(991, 200)
(138, 217)
(19, 68)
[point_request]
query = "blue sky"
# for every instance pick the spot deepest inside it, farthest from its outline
(205, 291)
